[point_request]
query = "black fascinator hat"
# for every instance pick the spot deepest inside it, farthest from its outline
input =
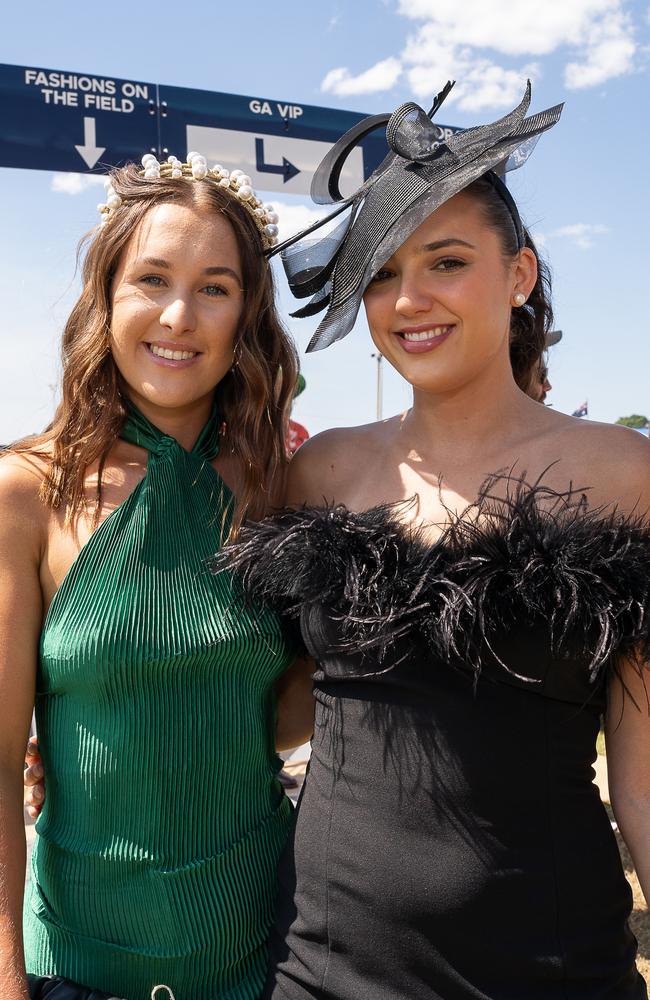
(421, 172)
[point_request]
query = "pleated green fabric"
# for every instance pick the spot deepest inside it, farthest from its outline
(157, 848)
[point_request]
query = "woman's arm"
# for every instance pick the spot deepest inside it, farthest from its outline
(21, 533)
(627, 732)
(295, 701)
(306, 483)
(624, 464)
(317, 474)
(33, 779)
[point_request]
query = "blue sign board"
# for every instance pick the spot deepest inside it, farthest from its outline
(69, 121)
(53, 120)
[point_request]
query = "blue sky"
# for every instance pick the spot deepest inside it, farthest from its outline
(584, 193)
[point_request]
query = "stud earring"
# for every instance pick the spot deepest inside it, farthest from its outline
(519, 298)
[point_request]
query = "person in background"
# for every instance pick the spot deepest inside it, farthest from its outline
(539, 385)
(297, 433)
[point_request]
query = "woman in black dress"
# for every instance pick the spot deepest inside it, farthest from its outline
(472, 579)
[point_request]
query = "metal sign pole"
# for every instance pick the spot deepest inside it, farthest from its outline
(380, 402)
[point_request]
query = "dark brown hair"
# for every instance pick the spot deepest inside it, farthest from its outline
(530, 323)
(253, 399)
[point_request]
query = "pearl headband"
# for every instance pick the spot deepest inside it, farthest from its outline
(237, 183)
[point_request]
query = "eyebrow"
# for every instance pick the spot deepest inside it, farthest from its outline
(441, 244)
(164, 265)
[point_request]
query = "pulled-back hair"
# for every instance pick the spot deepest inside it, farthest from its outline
(253, 398)
(530, 323)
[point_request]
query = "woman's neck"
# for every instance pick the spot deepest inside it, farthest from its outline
(184, 423)
(483, 417)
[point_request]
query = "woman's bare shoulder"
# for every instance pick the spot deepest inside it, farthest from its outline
(22, 469)
(21, 477)
(614, 459)
(322, 468)
(613, 442)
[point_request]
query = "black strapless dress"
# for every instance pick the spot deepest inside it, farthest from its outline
(450, 843)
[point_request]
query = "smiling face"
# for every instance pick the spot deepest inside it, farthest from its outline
(439, 309)
(176, 304)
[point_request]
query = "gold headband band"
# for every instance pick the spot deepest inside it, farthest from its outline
(237, 183)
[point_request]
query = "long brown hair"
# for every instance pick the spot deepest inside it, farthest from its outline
(253, 399)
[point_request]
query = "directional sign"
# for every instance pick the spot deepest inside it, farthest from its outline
(90, 152)
(60, 120)
(53, 120)
(274, 163)
(279, 144)
(286, 169)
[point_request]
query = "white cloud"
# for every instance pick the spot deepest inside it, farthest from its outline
(512, 27)
(581, 233)
(434, 56)
(74, 183)
(480, 83)
(382, 76)
(610, 52)
(479, 44)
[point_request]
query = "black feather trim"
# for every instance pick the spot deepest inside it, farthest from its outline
(529, 555)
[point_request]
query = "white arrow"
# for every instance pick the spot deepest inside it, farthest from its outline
(90, 152)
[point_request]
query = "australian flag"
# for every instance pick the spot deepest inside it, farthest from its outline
(582, 411)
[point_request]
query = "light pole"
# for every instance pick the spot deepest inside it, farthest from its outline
(379, 360)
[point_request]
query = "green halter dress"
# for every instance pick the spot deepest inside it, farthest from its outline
(164, 819)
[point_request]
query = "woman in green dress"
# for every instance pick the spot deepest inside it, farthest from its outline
(177, 379)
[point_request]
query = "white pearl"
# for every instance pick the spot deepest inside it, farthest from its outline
(176, 173)
(269, 207)
(108, 184)
(114, 201)
(273, 217)
(245, 179)
(102, 207)
(260, 213)
(151, 172)
(237, 173)
(148, 158)
(224, 182)
(217, 168)
(245, 192)
(190, 156)
(271, 230)
(198, 171)
(224, 173)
